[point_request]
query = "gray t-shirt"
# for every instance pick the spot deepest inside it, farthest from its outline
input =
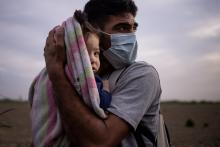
(135, 99)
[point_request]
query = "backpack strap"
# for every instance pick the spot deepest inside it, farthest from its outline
(162, 140)
(168, 134)
(143, 130)
(163, 134)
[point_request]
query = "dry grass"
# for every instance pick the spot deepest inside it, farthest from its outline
(203, 133)
(205, 127)
(14, 125)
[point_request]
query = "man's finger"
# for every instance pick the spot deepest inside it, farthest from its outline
(53, 30)
(50, 38)
(59, 36)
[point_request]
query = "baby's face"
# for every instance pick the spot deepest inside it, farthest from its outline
(92, 43)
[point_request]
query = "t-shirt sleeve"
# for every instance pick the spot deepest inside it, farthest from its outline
(134, 93)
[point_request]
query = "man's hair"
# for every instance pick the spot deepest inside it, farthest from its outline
(97, 11)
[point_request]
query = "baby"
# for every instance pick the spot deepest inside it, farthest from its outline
(92, 39)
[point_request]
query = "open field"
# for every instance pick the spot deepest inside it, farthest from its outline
(202, 129)
(14, 125)
(193, 124)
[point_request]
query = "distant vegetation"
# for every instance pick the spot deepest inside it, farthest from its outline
(189, 102)
(205, 125)
(4, 98)
(190, 123)
(8, 100)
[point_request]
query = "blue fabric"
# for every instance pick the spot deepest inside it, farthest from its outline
(105, 96)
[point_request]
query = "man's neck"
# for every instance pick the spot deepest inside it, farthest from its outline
(106, 68)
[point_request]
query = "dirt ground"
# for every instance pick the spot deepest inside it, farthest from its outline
(15, 124)
(193, 124)
(189, 124)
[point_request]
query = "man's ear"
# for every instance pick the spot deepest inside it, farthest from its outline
(105, 65)
(105, 41)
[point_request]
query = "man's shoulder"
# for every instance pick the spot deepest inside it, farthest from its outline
(141, 64)
(141, 67)
(137, 73)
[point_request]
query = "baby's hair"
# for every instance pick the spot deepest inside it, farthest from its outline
(85, 25)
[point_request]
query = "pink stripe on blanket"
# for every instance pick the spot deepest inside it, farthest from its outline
(91, 82)
(52, 114)
(81, 42)
(69, 68)
(85, 94)
(69, 73)
(74, 47)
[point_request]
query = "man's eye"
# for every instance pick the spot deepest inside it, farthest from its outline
(123, 29)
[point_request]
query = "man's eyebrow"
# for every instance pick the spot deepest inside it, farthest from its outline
(125, 24)
(122, 24)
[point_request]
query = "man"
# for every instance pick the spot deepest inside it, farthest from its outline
(135, 96)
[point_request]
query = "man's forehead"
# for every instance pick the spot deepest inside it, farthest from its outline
(122, 18)
(121, 22)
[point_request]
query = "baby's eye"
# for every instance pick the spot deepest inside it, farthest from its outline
(97, 53)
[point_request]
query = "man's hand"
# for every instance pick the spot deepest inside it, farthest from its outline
(54, 52)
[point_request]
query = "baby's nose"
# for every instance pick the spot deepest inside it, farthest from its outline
(92, 57)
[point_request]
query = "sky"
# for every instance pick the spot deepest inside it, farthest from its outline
(180, 38)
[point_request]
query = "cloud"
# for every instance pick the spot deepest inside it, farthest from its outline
(209, 29)
(212, 62)
(2, 69)
(212, 57)
(20, 64)
(191, 79)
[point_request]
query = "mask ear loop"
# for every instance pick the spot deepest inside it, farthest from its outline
(105, 38)
(91, 28)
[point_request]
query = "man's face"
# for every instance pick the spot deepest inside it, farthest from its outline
(123, 23)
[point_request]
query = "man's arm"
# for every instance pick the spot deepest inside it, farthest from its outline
(82, 125)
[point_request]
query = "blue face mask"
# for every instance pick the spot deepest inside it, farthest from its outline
(123, 50)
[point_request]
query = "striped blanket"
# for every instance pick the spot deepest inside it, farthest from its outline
(45, 118)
